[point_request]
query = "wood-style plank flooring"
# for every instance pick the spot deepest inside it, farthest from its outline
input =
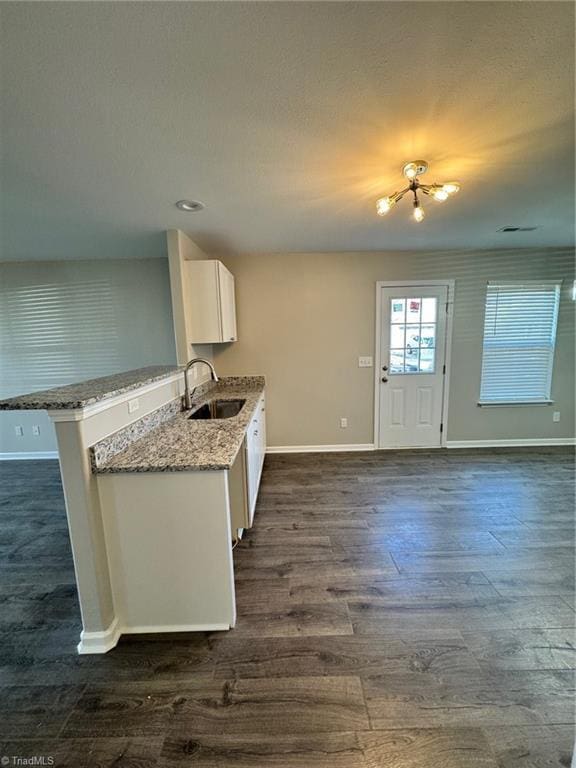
(402, 610)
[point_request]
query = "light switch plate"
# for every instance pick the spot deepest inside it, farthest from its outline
(556, 416)
(365, 362)
(133, 405)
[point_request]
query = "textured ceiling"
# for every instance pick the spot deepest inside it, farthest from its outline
(287, 120)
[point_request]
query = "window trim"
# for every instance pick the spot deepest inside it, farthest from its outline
(547, 284)
(513, 403)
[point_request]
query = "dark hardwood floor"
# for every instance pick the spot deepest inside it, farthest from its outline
(398, 610)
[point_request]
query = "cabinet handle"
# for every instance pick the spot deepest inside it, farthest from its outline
(256, 433)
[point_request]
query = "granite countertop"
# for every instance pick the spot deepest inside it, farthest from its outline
(184, 444)
(87, 392)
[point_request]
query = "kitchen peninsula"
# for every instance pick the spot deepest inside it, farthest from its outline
(155, 496)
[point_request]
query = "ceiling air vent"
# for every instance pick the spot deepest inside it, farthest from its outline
(517, 229)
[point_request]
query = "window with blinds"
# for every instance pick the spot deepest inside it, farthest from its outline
(519, 337)
(56, 334)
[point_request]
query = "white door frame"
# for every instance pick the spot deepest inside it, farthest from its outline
(450, 284)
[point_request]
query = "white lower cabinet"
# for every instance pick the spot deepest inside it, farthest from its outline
(244, 479)
(169, 540)
(169, 551)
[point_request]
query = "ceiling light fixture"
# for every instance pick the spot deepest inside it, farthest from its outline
(411, 171)
(190, 206)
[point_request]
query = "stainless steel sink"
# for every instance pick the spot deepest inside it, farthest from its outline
(218, 409)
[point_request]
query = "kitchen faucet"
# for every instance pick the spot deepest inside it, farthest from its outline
(187, 394)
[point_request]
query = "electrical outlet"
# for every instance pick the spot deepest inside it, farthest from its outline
(365, 362)
(343, 423)
(19, 431)
(36, 430)
(133, 405)
(556, 416)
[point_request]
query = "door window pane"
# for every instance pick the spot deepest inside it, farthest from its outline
(412, 337)
(429, 310)
(411, 363)
(428, 336)
(412, 358)
(413, 310)
(413, 334)
(396, 361)
(397, 336)
(397, 310)
(427, 360)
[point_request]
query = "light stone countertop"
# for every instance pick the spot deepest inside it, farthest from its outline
(86, 393)
(183, 444)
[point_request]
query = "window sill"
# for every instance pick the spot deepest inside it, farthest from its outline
(507, 404)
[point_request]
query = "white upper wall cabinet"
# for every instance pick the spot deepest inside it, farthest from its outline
(210, 302)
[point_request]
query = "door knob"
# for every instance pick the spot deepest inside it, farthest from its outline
(384, 379)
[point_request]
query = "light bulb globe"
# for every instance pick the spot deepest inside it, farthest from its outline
(383, 206)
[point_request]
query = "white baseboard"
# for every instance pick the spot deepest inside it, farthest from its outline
(99, 642)
(523, 442)
(514, 443)
(161, 628)
(13, 456)
(102, 642)
(320, 448)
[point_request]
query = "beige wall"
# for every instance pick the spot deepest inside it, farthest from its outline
(303, 321)
(133, 330)
(305, 318)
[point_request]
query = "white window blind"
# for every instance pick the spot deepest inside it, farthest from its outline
(519, 337)
(55, 334)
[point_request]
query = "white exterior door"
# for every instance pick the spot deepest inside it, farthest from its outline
(412, 365)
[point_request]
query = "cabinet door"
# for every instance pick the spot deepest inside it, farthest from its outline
(227, 304)
(255, 451)
(202, 302)
(252, 468)
(261, 436)
(238, 491)
(209, 302)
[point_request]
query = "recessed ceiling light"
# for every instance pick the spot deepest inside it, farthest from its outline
(190, 206)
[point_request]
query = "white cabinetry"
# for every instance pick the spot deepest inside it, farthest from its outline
(247, 470)
(211, 305)
(169, 550)
(255, 452)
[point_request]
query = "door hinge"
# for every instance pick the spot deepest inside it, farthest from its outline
(441, 428)
(443, 370)
(447, 306)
